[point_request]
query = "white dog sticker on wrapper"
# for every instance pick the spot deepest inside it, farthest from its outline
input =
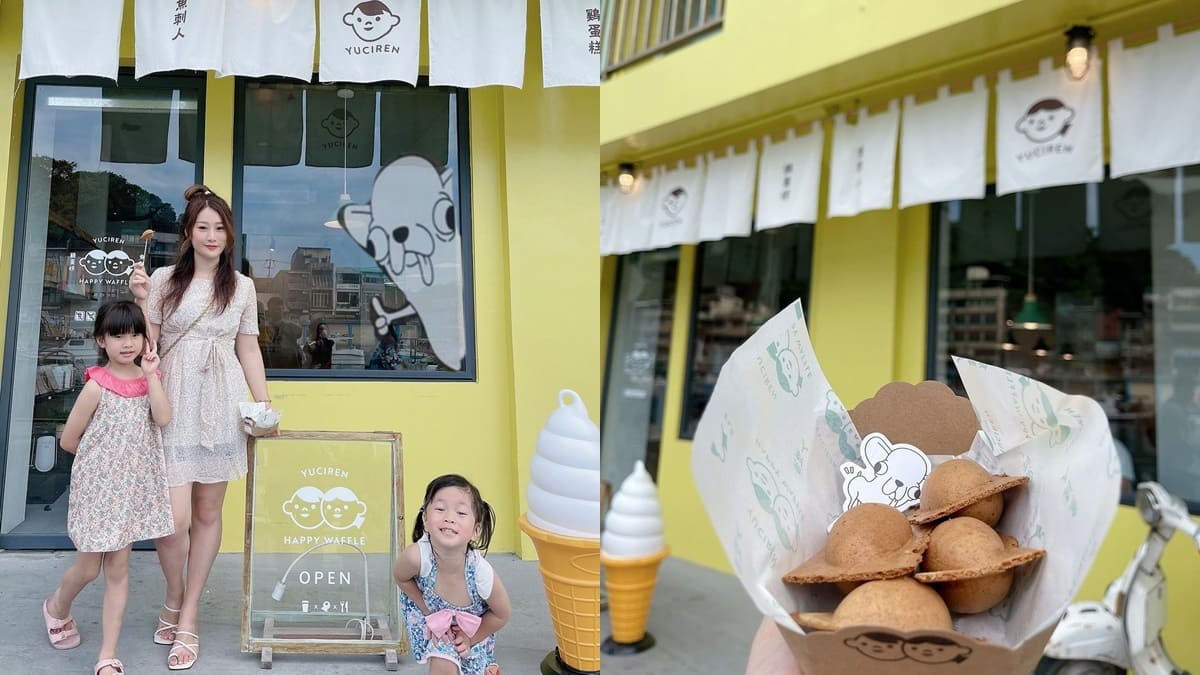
(891, 474)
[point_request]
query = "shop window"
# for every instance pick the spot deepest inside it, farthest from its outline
(353, 209)
(1094, 290)
(100, 164)
(740, 283)
(636, 382)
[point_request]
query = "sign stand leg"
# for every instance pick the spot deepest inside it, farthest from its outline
(266, 663)
(390, 660)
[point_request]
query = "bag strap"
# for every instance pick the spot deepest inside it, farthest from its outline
(163, 352)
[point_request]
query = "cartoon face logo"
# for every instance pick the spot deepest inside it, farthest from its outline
(410, 230)
(935, 649)
(342, 509)
(787, 368)
(891, 475)
(304, 507)
(117, 263)
(93, 263)
(1042, 416)
(879, 646)
(1046, 120)
(674, 202)
(370, 20)
(340, 123)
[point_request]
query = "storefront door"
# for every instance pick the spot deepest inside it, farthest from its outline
(635, 387)
(100, 165)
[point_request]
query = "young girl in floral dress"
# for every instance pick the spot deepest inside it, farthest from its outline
(118, 480)
(453, 601)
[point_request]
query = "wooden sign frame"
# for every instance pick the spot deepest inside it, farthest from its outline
(388, 641)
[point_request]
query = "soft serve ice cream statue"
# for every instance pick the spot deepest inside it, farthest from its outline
(564, 486)
(633, 527)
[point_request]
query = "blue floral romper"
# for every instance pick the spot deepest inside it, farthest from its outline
(423, 647)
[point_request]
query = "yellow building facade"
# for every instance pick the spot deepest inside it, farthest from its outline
(775, 65)
(532, 161)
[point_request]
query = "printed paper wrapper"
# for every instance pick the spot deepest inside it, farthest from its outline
(766, 460)
(258, 419)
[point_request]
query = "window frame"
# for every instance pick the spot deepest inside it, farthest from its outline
(463, 209)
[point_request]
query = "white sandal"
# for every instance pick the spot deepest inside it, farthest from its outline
(165, 625)
(194, 649)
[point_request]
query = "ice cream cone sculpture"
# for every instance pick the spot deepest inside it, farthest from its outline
(563, 521)
(570, 568)
(631, 549)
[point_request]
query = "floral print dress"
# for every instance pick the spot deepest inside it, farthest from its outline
(479, 586)
(204, 443)
(118, 479)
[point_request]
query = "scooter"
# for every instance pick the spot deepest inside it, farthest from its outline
(1125, 631)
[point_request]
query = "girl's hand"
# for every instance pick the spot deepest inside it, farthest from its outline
(462, 642)
(149, 358)
(139, 281)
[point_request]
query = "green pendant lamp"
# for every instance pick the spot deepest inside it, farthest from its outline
(1030, 317)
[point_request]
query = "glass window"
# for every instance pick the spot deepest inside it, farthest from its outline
(100, 165)
(1094, 290)
(740, 283)
(635, 386)
(355, 228)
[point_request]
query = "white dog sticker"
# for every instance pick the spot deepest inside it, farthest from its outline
(892, 475)
(410, 229)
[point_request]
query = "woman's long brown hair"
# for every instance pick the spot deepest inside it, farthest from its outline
(198, 198)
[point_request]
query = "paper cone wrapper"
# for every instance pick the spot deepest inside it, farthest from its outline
(630, 583)
(570, 569)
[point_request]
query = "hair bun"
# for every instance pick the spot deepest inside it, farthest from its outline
(196, 191)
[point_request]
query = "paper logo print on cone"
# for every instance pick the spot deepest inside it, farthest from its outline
(891, 474)
(1046, 120)
(766, 491)
(370, 20)
(923, 648)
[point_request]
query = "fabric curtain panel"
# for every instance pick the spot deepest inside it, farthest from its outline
(1153, 103)
(943, 147)
(633, 214)
(676, 205)
(727, 207)
(178, 35)
(862, 169)
(339, 130)
(1048, 129)
(610, 233)
(570, 43)
(71, 38)
(370, 41)
(475, 44)
(269, 37)
(789, 179)
(273, 128)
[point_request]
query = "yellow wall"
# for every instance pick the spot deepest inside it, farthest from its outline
(535, 236)
(871, 269)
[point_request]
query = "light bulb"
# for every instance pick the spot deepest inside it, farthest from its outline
(625, 178)
(1079, 43)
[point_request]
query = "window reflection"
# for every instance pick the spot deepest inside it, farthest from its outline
(1115, 273)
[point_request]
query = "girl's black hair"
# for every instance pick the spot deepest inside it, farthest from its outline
(117, 317)
(483, 511)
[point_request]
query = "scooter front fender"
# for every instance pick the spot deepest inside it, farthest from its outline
(1089, 632)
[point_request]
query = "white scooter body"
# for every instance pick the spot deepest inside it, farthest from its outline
(1126, 629)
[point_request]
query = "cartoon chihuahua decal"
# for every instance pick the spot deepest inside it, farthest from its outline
(409, 228)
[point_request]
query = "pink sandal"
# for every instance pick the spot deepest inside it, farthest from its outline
(492, 669)
(62, 632)
(115, 664)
